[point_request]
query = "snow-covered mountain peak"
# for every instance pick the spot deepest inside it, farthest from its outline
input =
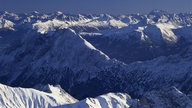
(50, 25)
(30, 98)
(59, 13)
(35, 12)
(73, 46)
(110, 100)
(49, 88)
(106, 16)
(6, 24)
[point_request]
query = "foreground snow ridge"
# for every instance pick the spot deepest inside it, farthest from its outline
(55, 97)
(30, 98)
(164, 98)
(110, 100)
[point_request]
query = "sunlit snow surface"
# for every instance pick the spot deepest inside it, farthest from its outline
(31, 98)
(55, 97)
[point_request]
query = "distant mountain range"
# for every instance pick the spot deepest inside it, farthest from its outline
(92, 55)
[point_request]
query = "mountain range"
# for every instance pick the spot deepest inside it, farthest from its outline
(104, 57)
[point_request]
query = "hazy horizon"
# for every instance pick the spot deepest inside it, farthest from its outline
(96, 7)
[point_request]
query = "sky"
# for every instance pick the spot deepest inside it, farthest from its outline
(96, 6)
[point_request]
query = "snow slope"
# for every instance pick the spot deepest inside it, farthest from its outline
(30, 98)
(55, 97)
(110, 100)
(164, 98)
